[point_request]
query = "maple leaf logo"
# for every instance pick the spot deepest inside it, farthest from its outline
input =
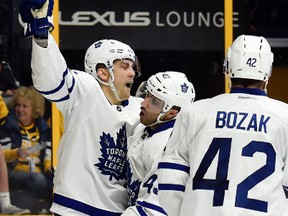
(98, 44)
(133, 187)
(184, 88)
(113, 160)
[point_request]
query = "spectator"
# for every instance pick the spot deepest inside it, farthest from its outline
(27, 148)
(3, 111)
(6, 207)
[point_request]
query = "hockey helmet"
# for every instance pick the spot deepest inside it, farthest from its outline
(249, 57)
(172, 87)
(106, 52)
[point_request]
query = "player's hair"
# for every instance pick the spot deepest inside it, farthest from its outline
(31, 94)
(246, 82)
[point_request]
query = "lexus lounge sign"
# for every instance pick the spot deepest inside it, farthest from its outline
(145, 25)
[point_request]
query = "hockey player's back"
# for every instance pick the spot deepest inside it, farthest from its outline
(228, 154)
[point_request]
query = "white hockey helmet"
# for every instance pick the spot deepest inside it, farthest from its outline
(172, 87)
(249, 57)
(106, 52)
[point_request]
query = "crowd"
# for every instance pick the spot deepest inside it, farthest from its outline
(159, 152)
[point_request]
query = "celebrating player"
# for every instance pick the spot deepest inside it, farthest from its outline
(228, 155)
(99, 115)
(165, 93)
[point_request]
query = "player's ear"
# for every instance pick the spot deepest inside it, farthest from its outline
(173, 113)
(170, 114)
(103, 74)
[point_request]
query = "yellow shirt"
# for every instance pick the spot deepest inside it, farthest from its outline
(3, 110)
(30, 137)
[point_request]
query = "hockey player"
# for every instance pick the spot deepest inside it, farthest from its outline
(165, 93)
(98, 112)
(227, 155)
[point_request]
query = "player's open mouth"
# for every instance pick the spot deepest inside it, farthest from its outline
(141, 111)
(129, 85)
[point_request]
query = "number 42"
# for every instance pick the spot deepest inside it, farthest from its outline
(251, 62)
(220, 183)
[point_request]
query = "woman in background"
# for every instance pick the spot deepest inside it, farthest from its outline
(28, 148)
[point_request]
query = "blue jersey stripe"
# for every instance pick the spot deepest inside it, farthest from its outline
(141, 211)
(165, 165)
(171, 187)
(58, 88)
(61, 99)
(81, 207)
(152, 206)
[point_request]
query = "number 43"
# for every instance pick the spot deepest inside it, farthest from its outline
(220, 183)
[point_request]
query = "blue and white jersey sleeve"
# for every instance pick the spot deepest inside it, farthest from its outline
(54, 80)
(144, 154)
(135, 165)
(173, 169)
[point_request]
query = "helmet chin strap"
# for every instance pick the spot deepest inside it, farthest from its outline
(114, 90)
(111, 83)
(112, 86)
(159, 121)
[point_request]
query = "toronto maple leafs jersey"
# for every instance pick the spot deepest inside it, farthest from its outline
(145, 151)
(227, 156)
(90, 177)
